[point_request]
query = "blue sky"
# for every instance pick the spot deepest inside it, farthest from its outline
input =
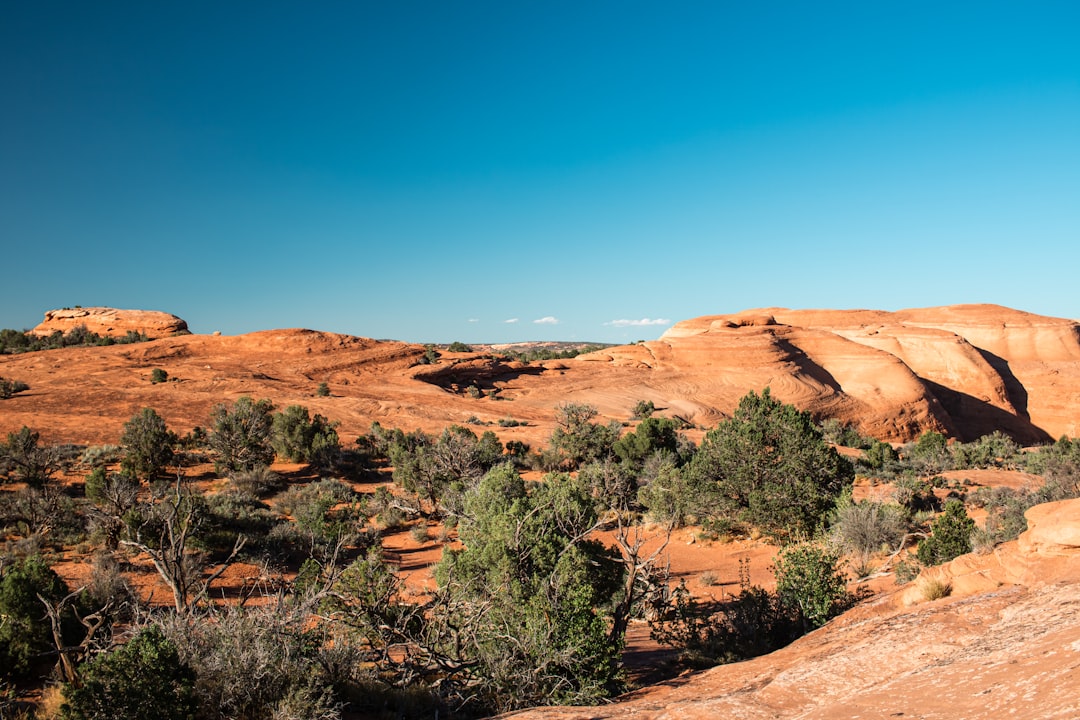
(434, 171)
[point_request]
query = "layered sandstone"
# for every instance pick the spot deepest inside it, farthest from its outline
(962, 370)
(110, 322)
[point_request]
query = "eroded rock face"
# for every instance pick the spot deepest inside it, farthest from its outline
(962, 370)
(111, 322)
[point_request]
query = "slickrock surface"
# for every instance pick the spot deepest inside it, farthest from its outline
(111, 322)
(1005, 646)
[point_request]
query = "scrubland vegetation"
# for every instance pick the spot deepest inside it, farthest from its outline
(527, 606)
(19, 341)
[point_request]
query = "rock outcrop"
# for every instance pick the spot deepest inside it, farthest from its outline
(963, 370)
(1007, 646)
(111, 322)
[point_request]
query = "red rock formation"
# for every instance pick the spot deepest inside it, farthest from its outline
(963, 370)
(111, 322)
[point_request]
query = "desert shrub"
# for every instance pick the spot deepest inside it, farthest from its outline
(148, 444)
(880, 457)
(753, 623)
(459, 347)
(994, 450)
(643, 409)
(229, 515)
(253, 663)
(839, 433)
(652, 435)
(25, 633)
(665, 490)
(533, 589)
(241, 435)
(867, 527)
(419, 533)
(24, 459)
(45, 511)
(101, 455)
(326, 513)
(950, 536)
(907, 570)
(611, 484)
(915, 494)
(511, 422)
(113, 495)
(428, 467)
(157, 375)
(809, 580)
(9, 388)
(770, 467)
(256, 482)
(143, 679)
(474, 392)
(302, 438)
(929, 454)
(323, 390)
(579, 440)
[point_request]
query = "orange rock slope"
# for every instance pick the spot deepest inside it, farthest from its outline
(1006, 643)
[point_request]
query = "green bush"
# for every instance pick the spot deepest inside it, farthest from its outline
(148, 444)
(808, 579)
(141, 680)
(769, 466)
(157, 375)
(459, 347)
(241, 435)
(25, 633)
(950, 536)
(302, 438)
(994, 450)
(323, 390)
(643, 409)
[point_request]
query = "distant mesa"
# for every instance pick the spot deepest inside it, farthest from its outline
(111, 322)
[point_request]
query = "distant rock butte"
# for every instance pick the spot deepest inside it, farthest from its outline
(965, 370)
(111, 322)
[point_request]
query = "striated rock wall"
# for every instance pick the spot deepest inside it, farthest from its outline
(111, 322)
(963, 370)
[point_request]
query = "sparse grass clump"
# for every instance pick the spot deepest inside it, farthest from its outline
(935, 588)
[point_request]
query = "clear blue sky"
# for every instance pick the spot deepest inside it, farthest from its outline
(497, 171)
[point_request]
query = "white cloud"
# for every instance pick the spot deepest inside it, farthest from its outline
(474, 320)
(639, 323)
(547, 321)
(511, 320)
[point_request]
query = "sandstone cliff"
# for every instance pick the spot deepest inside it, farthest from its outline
(963, 370)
